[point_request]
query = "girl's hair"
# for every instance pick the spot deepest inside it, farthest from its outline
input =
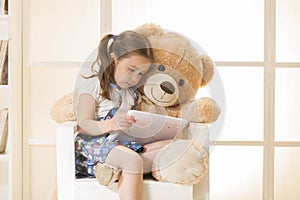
(126, 44)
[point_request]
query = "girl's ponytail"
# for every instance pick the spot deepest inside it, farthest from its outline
(106, 64)
(104, 50)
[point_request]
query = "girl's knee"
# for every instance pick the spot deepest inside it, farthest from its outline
(135, 162)
(134, 166)
(129, 160)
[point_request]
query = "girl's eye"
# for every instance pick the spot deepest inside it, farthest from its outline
(133, 70)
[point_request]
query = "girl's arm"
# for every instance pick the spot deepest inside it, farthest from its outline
(86, 123)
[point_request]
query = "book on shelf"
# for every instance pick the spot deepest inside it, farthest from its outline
(3, 129)
(4, 62)
(4, 78)
(3, 7)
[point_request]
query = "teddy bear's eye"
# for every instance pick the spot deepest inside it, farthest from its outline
(161, 68)
(181, 82)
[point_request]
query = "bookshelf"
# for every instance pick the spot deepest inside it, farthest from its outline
(11, 98)
(4, 103)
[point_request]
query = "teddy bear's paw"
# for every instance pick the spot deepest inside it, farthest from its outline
(181, 162)
(62, 110)
(208, 109)
(203, 110)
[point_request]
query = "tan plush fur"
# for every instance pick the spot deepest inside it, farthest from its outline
(63, 110)
(187, 163)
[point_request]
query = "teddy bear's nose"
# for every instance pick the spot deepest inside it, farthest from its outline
(167, 87)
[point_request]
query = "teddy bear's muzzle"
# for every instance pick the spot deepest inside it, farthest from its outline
(161, 89)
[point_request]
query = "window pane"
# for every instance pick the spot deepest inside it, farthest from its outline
(236, 173)
(227, 30)
(288, 31)
(287, 107)
(244, 103)
(287, 175)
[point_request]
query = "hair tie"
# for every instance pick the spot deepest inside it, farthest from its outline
(114, 37)
(111, 41)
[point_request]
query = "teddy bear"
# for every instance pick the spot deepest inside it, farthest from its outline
(169, 88)
(178, 72)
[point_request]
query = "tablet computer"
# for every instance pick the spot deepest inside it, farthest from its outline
(150, 127)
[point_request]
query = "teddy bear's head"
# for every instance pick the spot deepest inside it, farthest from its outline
(179, 69)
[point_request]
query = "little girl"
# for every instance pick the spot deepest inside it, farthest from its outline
(102, 102)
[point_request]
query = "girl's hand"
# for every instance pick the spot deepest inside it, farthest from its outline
(121, 122)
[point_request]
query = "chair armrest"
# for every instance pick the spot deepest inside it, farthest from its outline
(65, 159)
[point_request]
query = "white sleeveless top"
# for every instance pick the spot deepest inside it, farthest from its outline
(92, 87)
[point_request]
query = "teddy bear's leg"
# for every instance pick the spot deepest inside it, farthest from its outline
(184, 161)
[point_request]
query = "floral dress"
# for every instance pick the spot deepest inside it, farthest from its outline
(89, 150)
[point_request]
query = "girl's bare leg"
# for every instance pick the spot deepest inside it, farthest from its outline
(130, 186)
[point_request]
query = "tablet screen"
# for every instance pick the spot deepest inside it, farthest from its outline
(149, 127)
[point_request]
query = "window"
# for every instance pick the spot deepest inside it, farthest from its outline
(255, 45)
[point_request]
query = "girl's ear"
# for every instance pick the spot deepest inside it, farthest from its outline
(113, 56)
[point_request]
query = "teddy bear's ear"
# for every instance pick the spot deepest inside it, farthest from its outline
(149, 29)
(208, 69)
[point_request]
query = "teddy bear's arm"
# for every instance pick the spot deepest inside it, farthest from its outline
(203, 110)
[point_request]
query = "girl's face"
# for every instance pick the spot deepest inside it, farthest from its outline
(129, 71)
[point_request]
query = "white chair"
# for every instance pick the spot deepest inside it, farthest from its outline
(70, 188)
